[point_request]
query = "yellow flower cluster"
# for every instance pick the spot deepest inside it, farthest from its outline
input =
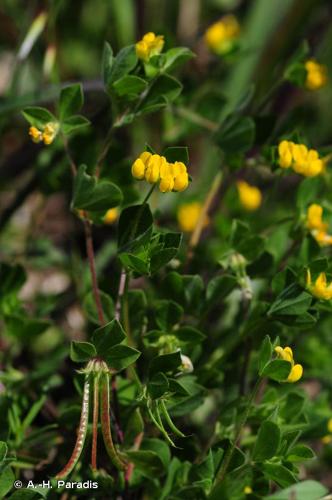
(47, 134)
(302, 160)
(149, 46)
(220, 36)
(111, 216)
(286, 353)
(316, 75)
(250, 196)
(328, 438)
(155, 168)
(188, 215)
(317, 227)
(319, 289)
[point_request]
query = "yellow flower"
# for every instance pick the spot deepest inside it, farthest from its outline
(285, 154)
(247, 490)
(316, 75)
(35, 134)
(166, 184)
(149, 46)
(154, 168)
(303, 161)
(188, 215)
(111, 216)
(326, 439)
(220, 36)
(319, 289)
(181, 181)
(250, 196)
(138, 169)
(286, 353)
(152, 172)
(49, 133)
(316, 225)
(329, 425)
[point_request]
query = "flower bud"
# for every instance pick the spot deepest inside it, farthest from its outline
(138, 169)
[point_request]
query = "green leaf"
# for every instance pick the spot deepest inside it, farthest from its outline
(107, 63)
(147, 462)
(134, 426)
(236, 135)
(279, 474)
(129, 85)
(38, 117)
(293, 406)
(267, 442)
(135, 226)
(120, 356)
(6, 481)
(292, 301)
(71, 101)
(25, 328)
(299, 453)
(123, 63)
(218, 288)
(165, 363)
(188, 334)
(175, 57)
(89, 305)
(278, 370)
(135, 263)
(74, 123)
(157, 385)
(108, 336)
(93, 194)
(12, 278)
(265, 353)
(158, 446)
(177, 153)
(165, 87)
(305, 490)
(82, 351)
(168, 313)
(3, 451)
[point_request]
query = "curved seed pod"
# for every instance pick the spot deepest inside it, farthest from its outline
(169, 421)
(81, 433)
(105, 422)
(159, 424)
(95, 423)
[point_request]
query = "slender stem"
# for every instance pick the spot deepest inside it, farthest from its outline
(197, 119)
(81, 434)
(105, 423)
(69, 156)
(95, 423)
(91, 257)
(104, 151)
(137, 443)
(122, 283)
(228, 456)
(195, 237)
(126, 319)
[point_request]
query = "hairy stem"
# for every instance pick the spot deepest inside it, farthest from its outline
(81, 434)
(91, 258)
(195, 237)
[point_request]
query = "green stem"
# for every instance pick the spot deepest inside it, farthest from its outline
(81, 434)
(228, 456)
(169, 420)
